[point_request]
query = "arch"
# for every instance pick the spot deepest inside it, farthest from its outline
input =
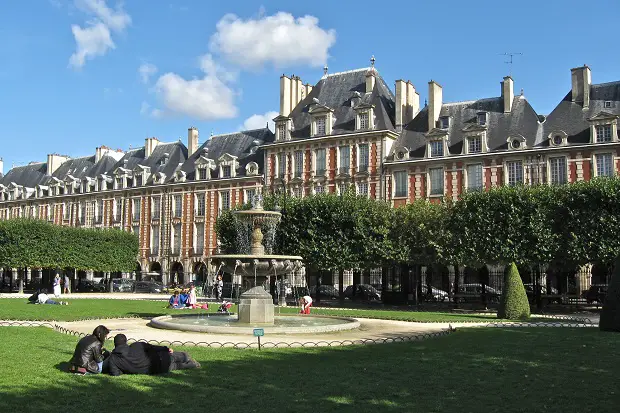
(600, 273)
(137, 275)
(154, 272)
(200, 273)
(176, 273)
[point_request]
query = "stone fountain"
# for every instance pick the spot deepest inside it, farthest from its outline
(256, 261)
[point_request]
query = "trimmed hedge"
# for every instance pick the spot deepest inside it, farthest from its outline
(610, 315)
(514, 304)
(39, 244)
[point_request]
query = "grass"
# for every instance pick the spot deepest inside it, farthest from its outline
(81, 308)
(472, 370)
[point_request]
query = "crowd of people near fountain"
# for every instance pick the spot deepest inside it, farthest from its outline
(91, 357)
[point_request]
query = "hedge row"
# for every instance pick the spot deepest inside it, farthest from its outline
(36, 243)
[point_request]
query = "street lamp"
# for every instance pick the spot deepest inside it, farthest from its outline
(282, 295)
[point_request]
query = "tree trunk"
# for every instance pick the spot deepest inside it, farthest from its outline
(340, 285)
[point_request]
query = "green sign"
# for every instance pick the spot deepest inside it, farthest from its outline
(259, 332)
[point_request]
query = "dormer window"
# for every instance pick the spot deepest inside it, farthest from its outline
(557, 138)
(119, 182)
(363, 120)
(608, 104)
(202, 174)
(482, 118)
(436, 149)
(164, 159)
(444, 122)
(228, 166)
(320, 125)
(139, 179)
(603, 133)
(226, 171)
(474, 144)
(282, 132)
(516, 142)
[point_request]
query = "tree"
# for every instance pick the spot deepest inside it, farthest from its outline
(514, 304)
(610, 315)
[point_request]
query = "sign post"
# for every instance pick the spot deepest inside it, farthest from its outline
(258, 333)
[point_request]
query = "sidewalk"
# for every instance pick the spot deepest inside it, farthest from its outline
(108, 296)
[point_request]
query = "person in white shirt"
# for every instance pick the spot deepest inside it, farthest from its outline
(306, 303)
(43, 298)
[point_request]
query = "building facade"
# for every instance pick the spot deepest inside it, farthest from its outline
(348, 130)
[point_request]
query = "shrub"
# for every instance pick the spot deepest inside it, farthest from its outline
(514, 304)
(610, 315)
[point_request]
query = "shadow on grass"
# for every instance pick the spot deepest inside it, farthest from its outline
(472, 370)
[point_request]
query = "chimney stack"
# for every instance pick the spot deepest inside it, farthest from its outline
(370, 80)
(54, 161)
(435, 96)
(1, 167)
(192, 141)
(149, 146)
(508, 93)
(581, 79)
(292, 91)
(407, 103)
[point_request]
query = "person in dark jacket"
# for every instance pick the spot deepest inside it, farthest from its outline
(89, 353)
(144, 358)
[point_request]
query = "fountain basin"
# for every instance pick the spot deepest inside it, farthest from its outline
(219, 323)
(265, 265)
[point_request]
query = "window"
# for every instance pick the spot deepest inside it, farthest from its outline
(436, 148)
(515, 172)
(281, 165)
(603, 133)
(119, 182)
(474, 177)
(363, 158)
(482, 119)
(249, 195)
(558, 140)
(345, 159)
(297, 192)
(515, 144)
(155, 240)
(178, 206)
(224, 201)
(342, 188)
(136, 230)
(362, 188)
(320, 161)
(320, 125)
(176, 238)
(604, 165)
(118, 209)
(299, 163)
(69, 189)
(557, 170)
(200, 205)
(82, 212)
(136, 209)
(444, 122)
(282, 131)
(319, 189)
(608, 104)
(400, 184)
(436, 181)
(200, 238)
(155, 207)
(202, 174)
(139, 179)
(66, 211)
(364, 120)
(85, 186)
(474, 144)
(226, 171)
(99, 211)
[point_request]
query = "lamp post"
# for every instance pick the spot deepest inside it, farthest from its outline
(282, 296)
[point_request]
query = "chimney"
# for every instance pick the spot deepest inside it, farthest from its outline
(413, 101)
(308, 87)
(149, 146)
(435, 93)
(508, 93)
(370, 80)
(401, 103)
(192, 140)
(54, 161)
(1, 167)
(285, 95)
(581, 79)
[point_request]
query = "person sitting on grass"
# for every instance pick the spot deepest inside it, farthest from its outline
(306, 303)
(89, 354)
(184, 296)
(43, 298)
(144, 358)
(175, 301)
(191, 297)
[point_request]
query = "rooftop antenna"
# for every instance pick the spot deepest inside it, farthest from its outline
(510, 62)
(325, 70)
(372, 61)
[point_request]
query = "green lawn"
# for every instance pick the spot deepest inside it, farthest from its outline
(81, 308)
(472, 370)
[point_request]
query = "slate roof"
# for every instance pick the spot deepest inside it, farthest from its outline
(177, 155)
(244, 145)
(336, 92)
(572, 118)
(29, 175)
(522, 120)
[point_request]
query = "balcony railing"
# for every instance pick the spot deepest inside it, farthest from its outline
(344, 170)
(362, 168)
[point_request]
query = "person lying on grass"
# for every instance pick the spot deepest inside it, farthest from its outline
(144, 358)
(43, 298)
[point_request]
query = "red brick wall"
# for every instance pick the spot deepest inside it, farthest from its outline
(332, 163)
(373, 158)
(448, 182)
(412, 188)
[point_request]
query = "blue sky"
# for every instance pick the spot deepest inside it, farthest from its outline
(77, 74)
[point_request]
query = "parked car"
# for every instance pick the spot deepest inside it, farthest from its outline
(473, 292)
(436, 294)
(364, 292)
(148, 287)
(119, 285)
(327, 292)
(88, 286)
(596, 293)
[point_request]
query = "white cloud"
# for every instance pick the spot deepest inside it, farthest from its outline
(206, 98)
(147, 70)
(95, 39)
(280, 39)
(144, 108)
(259, 121)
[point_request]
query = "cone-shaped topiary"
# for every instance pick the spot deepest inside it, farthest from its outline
(514, 304)
(610, 315)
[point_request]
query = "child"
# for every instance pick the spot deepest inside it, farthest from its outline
(191, 297)
(306, 303)
(224, 307)
(175, 301)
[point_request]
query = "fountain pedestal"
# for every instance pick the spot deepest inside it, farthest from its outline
(256, 307)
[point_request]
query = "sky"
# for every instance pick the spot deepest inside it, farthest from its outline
(78, 74)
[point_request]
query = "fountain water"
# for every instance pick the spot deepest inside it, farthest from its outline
(255, 238)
